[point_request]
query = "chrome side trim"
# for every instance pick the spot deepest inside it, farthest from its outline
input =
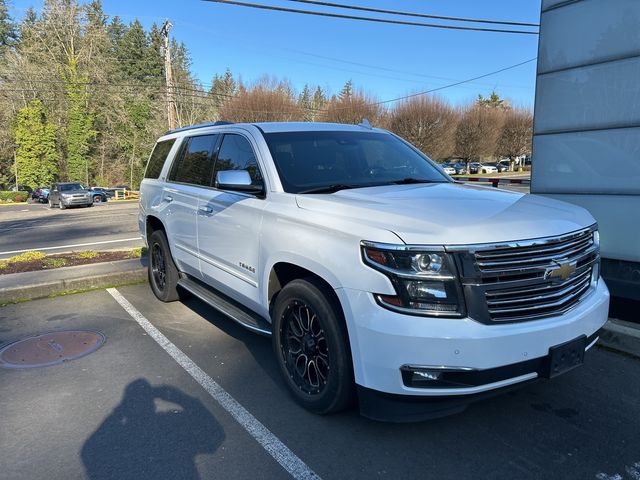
(471, 390)
(441, 368)
(592, 343)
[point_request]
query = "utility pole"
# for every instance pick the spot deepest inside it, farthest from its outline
(168, 75)
(15, 162)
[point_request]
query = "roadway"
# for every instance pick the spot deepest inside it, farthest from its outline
(105, 226)
(178, 391)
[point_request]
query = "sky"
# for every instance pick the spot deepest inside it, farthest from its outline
(386, 61)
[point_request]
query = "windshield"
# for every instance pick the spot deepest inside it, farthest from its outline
(67, 187)
(309, 161)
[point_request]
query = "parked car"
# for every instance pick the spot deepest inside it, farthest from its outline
(40, 194)
(474, 166)
(461, 168)
(497, 165)
(448, 169)
(100, 194)
(69, 194)
(486, 168)
(370, 269)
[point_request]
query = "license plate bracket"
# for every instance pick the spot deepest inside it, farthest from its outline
(565, 357)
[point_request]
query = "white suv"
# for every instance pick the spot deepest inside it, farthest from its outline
(376, 274)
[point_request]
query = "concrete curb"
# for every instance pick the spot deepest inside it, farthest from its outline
(25, 286)
(622, 336)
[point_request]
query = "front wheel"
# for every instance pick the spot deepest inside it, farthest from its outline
(163, 273)
(311, 345)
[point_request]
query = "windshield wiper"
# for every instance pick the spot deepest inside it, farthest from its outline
(408, 181)
(331, 188)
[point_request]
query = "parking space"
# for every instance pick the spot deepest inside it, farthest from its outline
(105, 226)
(130, 410)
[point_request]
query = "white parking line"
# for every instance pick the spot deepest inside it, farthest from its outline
(72, 246)
(278, 450)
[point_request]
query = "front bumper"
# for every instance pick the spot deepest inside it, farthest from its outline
(383, 341)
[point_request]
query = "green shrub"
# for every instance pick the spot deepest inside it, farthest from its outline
(6, 196)
(87, 254)
(27, 257)
(138, 252)
(54, 263)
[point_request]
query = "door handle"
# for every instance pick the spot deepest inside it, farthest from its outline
(205, 209)
(168, 199)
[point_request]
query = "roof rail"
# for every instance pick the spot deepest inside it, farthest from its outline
(199, 125)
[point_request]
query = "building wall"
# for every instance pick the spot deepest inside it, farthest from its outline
(586, 144)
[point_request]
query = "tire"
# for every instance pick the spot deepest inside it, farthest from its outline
(163, 273)
(97, 199)
(311, 345)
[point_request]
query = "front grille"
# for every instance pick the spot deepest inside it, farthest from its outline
(536, 279)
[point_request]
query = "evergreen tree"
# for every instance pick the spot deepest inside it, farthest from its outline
(319, 101)
(132, 53)
(36, 155)
(79, 132)
(493, 101)
(8, 29)
(305, 100)
(347, 91)
(222, 89)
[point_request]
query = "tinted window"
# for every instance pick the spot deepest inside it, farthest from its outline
(236, 154)
(158, 156)
(68, 187)
(194, 164)
(306, 160)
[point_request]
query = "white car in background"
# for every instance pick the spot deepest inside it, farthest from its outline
(448, 169)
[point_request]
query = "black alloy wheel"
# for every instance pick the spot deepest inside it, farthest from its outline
(163, 273)
(304, 347)
(311, 345)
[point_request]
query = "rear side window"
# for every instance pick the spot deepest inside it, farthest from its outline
(194, 164)
(236, 154)
(158, 156)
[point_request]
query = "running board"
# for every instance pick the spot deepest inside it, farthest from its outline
(249, 320)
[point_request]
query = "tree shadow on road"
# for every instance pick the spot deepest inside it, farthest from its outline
(155, 432)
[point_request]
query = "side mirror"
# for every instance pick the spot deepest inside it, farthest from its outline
(237, 180)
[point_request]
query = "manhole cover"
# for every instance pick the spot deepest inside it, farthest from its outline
(50, 349)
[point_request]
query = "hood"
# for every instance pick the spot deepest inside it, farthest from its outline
(450, 213)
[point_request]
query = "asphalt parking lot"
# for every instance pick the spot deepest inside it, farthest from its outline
(105, 226)
(131, 409)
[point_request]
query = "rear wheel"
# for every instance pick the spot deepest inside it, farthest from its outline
(163, 273)
(97, 199)
(312, 347)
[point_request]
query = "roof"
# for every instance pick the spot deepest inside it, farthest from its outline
(274, 127)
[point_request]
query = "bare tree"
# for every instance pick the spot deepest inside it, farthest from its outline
(515, 138)
(267, 101)
(427, 122)
(478, 131)
(353, 107)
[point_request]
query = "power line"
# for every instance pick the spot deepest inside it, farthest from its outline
(456, 83)
(370, 19)
(419, 15)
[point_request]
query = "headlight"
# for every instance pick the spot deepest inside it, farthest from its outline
(426, 281)
(65, 195)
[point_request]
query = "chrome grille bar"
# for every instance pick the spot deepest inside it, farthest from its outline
(518, 279)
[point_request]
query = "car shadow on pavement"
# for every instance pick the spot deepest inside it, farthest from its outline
(155, 432)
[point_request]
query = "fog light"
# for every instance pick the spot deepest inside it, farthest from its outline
(427, 375)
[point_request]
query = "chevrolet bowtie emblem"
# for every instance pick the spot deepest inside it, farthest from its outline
(564, 270)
